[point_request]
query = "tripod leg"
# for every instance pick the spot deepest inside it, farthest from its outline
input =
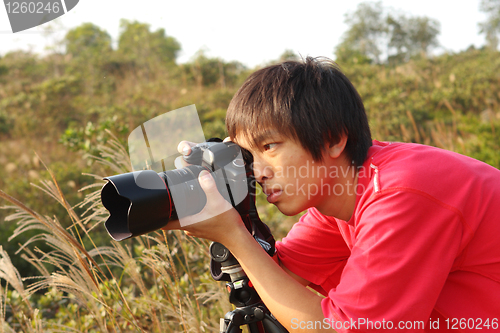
(222, 326)
(256, 328)
(271, 325)
(227, 326)
(232, 324)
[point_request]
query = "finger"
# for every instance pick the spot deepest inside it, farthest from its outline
(207, 182)
(172, 225)
(180, 163)
(227, 139)
(216, 204)
(219, 203)
(184, 147)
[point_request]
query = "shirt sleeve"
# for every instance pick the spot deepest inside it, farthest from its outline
(405, 246)
(314, 249)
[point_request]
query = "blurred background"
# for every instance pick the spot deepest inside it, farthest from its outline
(72, 90)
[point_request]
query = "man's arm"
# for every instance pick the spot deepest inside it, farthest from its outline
(287, 299)
(284, 296)
(298, 278)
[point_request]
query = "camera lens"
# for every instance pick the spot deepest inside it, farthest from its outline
(143, 201)
(188, 196)
(138, 202)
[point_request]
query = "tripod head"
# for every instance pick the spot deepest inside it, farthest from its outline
(259, 230)
(250, 310)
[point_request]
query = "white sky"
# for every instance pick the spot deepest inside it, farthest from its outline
(252, 32)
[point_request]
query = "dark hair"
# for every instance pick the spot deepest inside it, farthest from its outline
(310, 101)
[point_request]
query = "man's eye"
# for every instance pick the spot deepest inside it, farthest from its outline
(269, 146)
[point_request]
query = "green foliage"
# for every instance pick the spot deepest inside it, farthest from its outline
(31, 109)
(288, 55)
(145, 49)
(482, 136)
(154, 283)
(427, 100)
(374, 31)
(89, 48)
(88, 41)
(61, 107)
(138, 43)
(87, 139)
(346, 54)
(491, 27)
(20, 64)
(205, 72)
(410, 37)
(3, 70)
(366, 30)
(64, 108)
(5, 122)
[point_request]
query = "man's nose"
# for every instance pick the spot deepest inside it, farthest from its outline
(262, 171)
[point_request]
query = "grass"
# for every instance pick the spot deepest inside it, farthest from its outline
(154, 283)
(159, 282)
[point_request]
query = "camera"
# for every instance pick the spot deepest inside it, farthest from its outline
(143, 201)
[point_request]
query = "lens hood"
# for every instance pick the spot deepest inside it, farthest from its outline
(138, 202)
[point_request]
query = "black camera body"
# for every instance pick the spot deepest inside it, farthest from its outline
(143, 201)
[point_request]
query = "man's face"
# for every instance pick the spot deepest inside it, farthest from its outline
(291, 179)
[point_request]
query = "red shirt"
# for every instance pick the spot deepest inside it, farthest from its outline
(421, 248)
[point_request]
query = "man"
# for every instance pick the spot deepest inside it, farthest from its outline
(397, 236)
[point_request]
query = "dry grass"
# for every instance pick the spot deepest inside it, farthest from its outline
(147, 284)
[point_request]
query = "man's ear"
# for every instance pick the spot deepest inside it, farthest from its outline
(336, 149)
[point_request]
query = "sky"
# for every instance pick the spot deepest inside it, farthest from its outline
(252, 32)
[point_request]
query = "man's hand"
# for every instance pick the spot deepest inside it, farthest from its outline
(184, 148)
(218, 219)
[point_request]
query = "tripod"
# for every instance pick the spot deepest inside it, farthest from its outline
(250, 310)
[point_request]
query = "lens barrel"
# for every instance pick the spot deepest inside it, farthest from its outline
(186, 192)
(143, 201)
(140, 202)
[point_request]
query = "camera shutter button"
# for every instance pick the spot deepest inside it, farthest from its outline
(238, 162)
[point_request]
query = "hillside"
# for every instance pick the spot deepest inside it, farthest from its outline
(58, 111)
